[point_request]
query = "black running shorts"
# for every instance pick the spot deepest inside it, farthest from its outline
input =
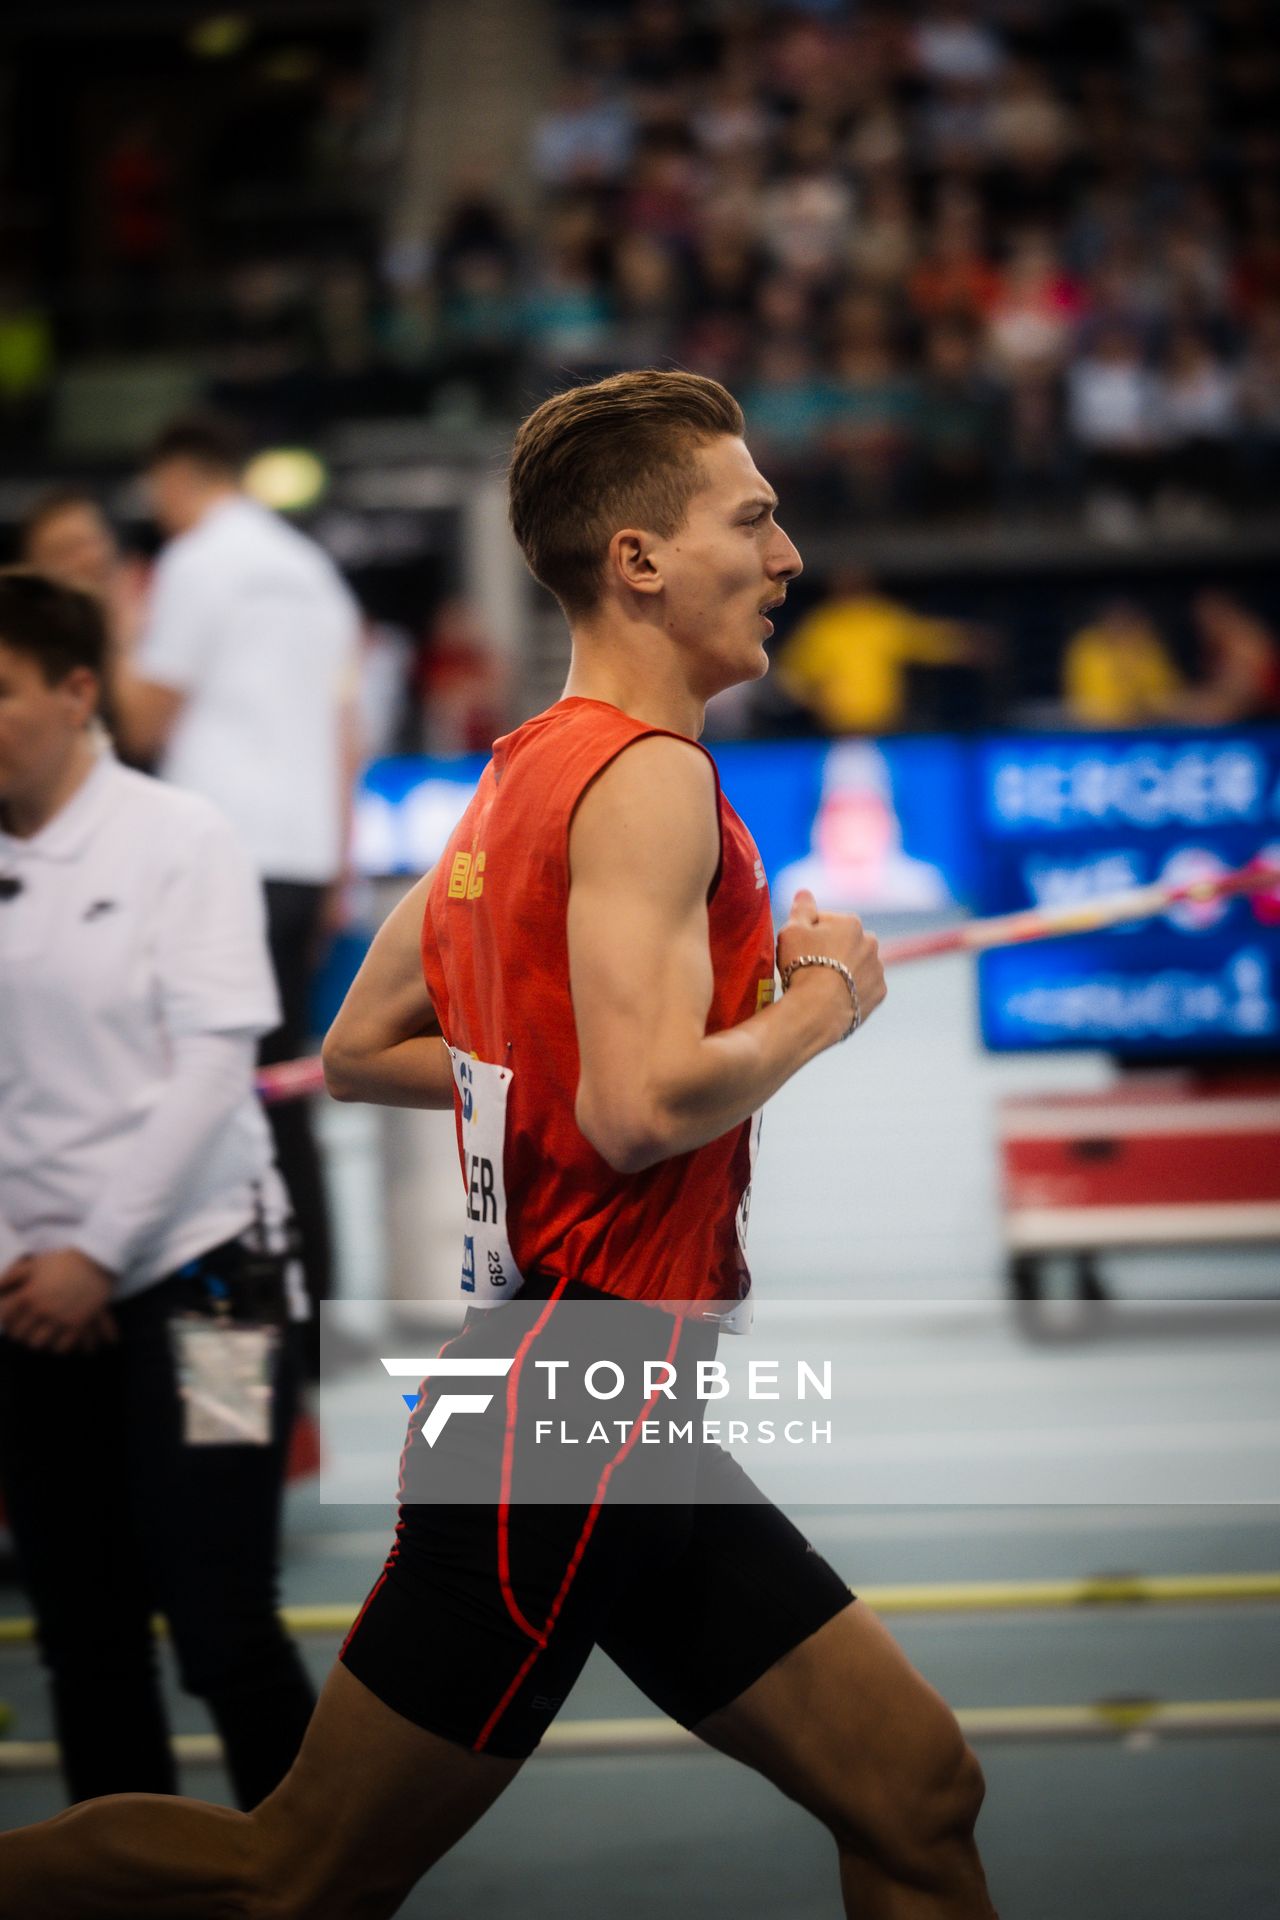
(485, 1612)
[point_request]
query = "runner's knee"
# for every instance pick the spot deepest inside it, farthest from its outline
(296, 1872)
(273, 1887)
(317, 1898)
(924, 1813)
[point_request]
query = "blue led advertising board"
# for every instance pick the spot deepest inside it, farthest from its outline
(933, 825)
(873, 827)
(1065, 818)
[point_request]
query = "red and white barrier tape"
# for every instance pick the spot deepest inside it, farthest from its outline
(1084, 916)
(294, 1079)
(291, 1079)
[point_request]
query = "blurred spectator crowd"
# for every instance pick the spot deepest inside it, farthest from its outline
(959, 258)
(952, 256)
(1020, 256)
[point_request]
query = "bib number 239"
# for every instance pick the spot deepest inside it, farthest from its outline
(489, 1273)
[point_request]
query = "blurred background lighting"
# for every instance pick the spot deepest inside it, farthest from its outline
(290, 479)
(219, 36)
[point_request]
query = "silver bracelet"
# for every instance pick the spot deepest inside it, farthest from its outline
(825, 960)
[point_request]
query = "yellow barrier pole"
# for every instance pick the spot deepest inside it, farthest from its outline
(626, 1739)
(975, 1596)
(1101, 1590)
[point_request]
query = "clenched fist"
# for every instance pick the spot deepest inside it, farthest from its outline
(841, 936)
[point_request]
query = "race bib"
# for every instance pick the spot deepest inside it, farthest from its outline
(744, 1205)
(738, 1320)
(489, 1272)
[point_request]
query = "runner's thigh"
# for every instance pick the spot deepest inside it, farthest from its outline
(743, 1589)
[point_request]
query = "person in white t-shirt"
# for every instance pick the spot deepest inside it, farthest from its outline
(141, 1220)
(243, 688)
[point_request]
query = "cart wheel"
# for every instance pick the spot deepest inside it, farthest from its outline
(1089, 1284)
(1024, 1277)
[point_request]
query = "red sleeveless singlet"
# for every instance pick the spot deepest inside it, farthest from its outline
(539, 1198)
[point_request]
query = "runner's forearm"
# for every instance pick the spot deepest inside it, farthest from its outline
(725, 1078)
(412, 1073)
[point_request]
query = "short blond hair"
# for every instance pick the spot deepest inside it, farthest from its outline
(619, 452)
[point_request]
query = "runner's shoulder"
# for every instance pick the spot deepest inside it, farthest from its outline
(661, 767)
(660, 793)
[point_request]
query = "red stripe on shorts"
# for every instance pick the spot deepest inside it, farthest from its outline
(390, 1560)
(508, 1464)
(575, 1559)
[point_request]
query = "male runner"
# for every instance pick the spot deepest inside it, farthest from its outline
(596, 945)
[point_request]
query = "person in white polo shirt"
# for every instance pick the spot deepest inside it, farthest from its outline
(148, 1340)
(243, 688)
